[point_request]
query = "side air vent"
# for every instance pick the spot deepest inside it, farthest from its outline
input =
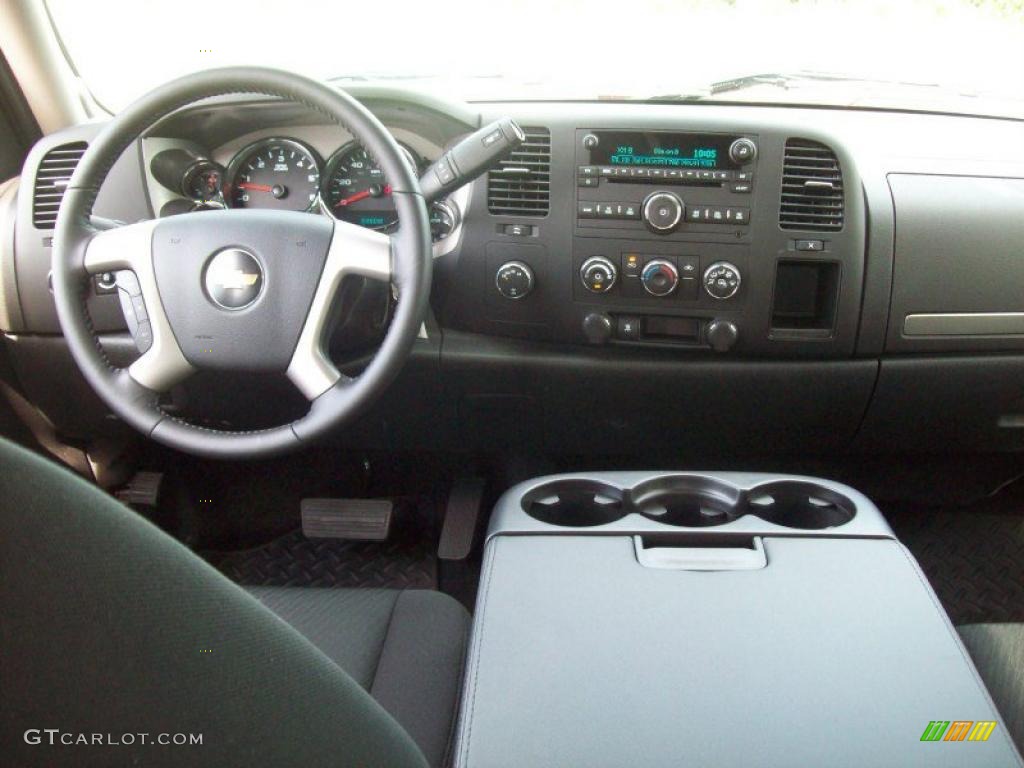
(812, 188)
(521, 184)
(52, 178)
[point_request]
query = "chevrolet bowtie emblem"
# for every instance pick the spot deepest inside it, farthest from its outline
(233, 279)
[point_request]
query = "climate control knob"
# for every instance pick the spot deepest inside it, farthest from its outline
(662, 212)
(659, 277)
(722, 280)
(514, 280)
(598, 274)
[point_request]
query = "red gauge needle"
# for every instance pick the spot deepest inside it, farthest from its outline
(363, 195)
(254, 187)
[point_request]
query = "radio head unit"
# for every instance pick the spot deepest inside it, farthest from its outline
(664, 149)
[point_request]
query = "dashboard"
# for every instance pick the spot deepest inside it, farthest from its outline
(633, 277)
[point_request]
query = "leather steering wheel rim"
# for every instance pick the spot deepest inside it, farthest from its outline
(80, 250)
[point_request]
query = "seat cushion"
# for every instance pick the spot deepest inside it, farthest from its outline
(998, 653)
(109, 626)
(406, 648)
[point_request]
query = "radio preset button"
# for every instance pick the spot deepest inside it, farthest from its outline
(588, 181)
(588, 170)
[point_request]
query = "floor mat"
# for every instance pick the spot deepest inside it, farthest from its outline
(407, 560)
(974, 561)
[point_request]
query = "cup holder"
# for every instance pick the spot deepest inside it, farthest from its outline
(574, 503)
(688, 501)
(799, 504)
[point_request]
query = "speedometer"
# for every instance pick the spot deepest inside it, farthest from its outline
(274, 173)
(356, 191)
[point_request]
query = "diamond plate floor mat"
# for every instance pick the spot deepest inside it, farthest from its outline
(407, 560)
(974, 561)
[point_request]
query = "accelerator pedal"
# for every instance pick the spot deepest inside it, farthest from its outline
(361, 519)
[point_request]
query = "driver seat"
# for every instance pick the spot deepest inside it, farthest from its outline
(111, 629)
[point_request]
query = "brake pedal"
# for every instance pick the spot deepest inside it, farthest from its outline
(362, 519)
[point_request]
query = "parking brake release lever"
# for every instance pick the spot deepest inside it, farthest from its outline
(475, 154)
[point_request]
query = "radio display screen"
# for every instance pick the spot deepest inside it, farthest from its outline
(658, 149)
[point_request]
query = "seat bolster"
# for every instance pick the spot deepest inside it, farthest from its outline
(419, 676)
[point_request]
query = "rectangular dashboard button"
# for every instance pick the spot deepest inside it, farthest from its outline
(588, 170)
(587, 210)
(738, 215)
(588, 181)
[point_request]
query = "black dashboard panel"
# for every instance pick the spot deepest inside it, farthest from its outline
(815, 316)
(806, 352)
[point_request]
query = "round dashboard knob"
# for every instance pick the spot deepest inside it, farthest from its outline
(659, 277)
(590, 141)
(721, 335)
(742, 151)
(722, 280)
(597, 327)
(514, 280)
(662, 211)
(598, 274)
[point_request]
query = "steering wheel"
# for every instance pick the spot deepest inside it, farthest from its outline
(239, 290)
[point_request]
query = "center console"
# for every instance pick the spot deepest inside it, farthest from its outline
(691, 239)
(726, 619)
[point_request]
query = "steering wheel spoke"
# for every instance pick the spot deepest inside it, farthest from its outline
(130, 248)
(353, 250)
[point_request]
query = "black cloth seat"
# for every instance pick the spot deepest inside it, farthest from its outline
(110, 629)
(406, 648)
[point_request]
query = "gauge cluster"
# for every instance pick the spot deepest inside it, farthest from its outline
(285, 173)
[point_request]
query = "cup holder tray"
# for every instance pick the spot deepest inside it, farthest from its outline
(691, 501)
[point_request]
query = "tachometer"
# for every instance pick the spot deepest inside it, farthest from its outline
(356, 191)
(274, 173)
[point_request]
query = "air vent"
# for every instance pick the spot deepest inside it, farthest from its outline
(52, 178)
(812, 188)
(521, 184)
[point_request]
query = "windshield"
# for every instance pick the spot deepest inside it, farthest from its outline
(945, 55)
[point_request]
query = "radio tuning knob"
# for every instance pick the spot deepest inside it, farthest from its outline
(742, 151)
(590, 141)
(662, 212)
